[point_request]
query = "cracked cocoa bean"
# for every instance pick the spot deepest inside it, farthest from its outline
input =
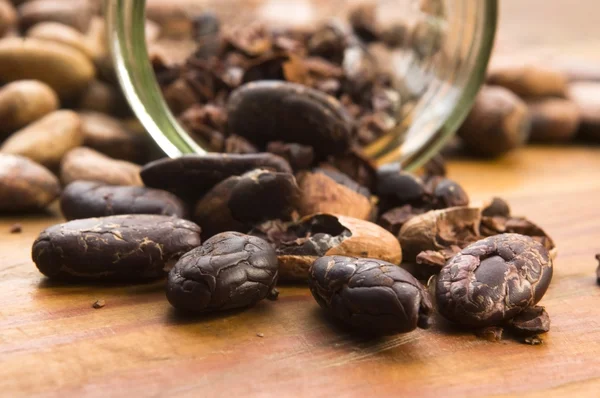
(127, 247)
(439, 229)
(493, 280)
(370, 295)
(394, 219)
(322, 194)
(299, 244)
(237, 203)
(263, 111)
(87, 199)
(519, 225)
(191, 176)
(598, 270)
(25, 185)
(230, 270)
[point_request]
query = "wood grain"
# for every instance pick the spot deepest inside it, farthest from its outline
(53, 343)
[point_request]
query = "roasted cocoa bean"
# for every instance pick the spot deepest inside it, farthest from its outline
(237, 203)
(493, 280)
(191, 176)
(263, 111)
(87, 199)
(370, 295)
(128, 247)
(230, 270)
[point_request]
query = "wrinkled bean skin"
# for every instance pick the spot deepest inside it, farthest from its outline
(238, 202)
(230, 270)
(129, 247)
(86, 199)
(493, 280)
(370, 294)
(271, 110)
(190, 176)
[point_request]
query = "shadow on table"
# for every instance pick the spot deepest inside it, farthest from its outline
(127, 288)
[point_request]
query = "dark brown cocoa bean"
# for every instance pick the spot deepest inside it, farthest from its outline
(87, 199)
(238, 202)
(230, 270)
(270, 110)
(370, 295)
(128, 247)
(300, 157)
(191, 176)
(493, 280)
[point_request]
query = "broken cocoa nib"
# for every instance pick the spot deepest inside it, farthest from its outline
(439, 229)
(236, 203)
(532, 321)
(299, 244)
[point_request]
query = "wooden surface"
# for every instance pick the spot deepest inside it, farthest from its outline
(53, 343)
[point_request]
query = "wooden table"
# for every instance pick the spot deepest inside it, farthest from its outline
(53, 343)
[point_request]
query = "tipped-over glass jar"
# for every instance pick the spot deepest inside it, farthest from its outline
(404, 72)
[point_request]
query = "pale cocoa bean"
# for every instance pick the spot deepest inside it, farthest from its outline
(553, 119)
(61, 33)
(47, 140)
(75, 13)
(526, 77)
(8, 17)
(23, 102)
(586, 95)
(65, 69)
(25, 185)
(86, 164)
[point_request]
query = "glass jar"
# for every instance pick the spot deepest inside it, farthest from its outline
(436, 56)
